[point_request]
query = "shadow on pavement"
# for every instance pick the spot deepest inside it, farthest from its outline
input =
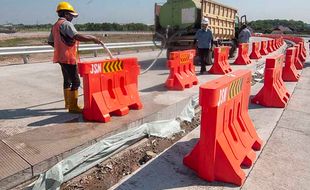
(307, 64)
(157, 88)
(63, 117)
(255, 106)
(159, 65)
(55, 115)
(21, 113)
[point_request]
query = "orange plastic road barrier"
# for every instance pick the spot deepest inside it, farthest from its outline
(302, 53)
(182, 70)
(293, 39)
(278, 40)
(243, 55)
(304, 50)
(255, 51)
(263, 49)
(274, 92)
(298, 63)
(269, 46)
(227, 133)
(274, 45)
(110, 88)
(283, 37)
(221, 64)
(277, 43)
(281, 41)
(290, 73)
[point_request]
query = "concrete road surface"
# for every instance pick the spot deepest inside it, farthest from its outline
(36, 132)
(283, 163)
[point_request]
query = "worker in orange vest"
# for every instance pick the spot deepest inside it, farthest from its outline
(64, 38)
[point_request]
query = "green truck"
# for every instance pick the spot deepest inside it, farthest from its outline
(177, 21)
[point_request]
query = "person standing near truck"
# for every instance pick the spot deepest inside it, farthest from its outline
(204, 37)
(244, 35)
(64, 38)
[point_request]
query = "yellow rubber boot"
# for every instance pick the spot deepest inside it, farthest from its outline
(67, 97)
(74, 108)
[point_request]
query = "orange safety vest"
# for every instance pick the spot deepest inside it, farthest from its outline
(62, 52)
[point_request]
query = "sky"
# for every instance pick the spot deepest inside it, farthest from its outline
(142, 11)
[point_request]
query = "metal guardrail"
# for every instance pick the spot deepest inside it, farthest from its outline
(26, 51)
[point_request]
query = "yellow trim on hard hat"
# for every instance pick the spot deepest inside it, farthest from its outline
(65, 6)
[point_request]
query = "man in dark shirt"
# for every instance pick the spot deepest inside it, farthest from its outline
(204, 37)
(244, 35)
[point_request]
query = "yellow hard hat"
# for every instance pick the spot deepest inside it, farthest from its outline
(65, 6)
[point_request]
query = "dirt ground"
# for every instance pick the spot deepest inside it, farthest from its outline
(40, 38)
(44, 35)
(111, 171)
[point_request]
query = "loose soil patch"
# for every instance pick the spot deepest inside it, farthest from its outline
(111, 171)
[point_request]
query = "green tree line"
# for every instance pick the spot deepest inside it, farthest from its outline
(91, 27)
(262, 26)
(267, 26)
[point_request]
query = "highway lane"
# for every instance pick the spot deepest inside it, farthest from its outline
(32, 93)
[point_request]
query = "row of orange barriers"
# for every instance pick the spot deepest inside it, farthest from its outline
(228, 138)
(182, 73)
(297, 40)
(258, 49)
(110, 86)
(221, 64)
(279, 69)
(300, 52)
